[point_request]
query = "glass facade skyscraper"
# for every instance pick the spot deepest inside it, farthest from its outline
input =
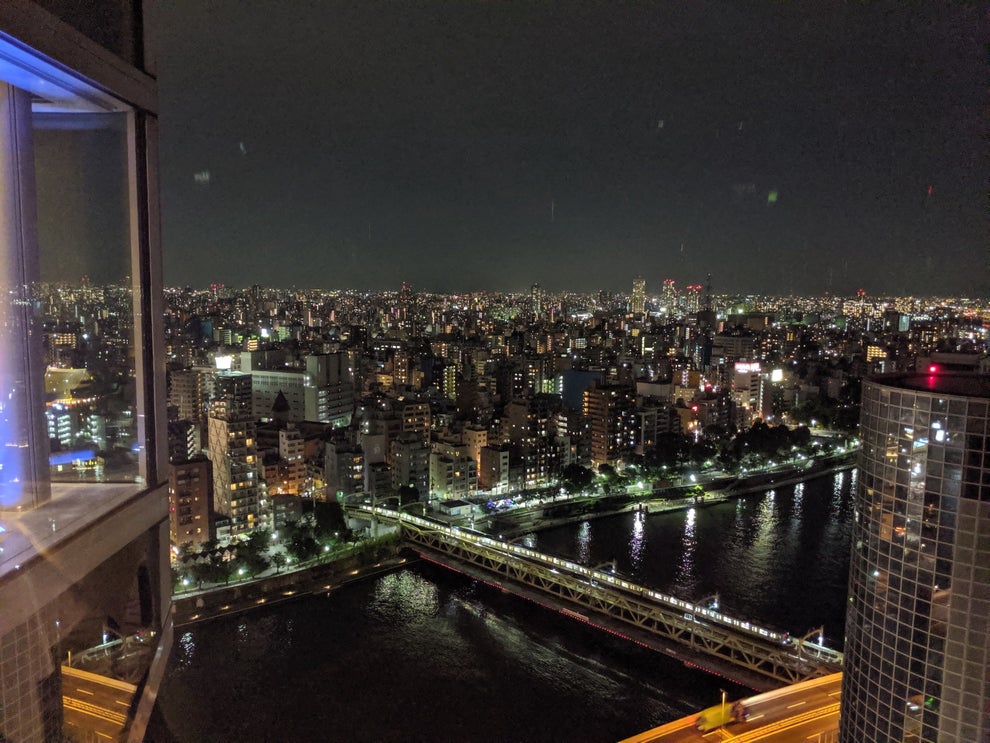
(917, 662)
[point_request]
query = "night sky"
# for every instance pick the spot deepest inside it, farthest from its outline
(784, 147)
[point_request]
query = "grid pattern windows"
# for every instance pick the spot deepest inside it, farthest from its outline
(916, 650)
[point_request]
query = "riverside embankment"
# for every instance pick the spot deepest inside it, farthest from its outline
(520, 521)
(365, 562)
(227, 600)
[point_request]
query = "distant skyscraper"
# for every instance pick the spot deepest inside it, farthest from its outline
(917, 647)
(669, 295)
(405, 296)
(536, 299)
(692, 298)
(638, 300)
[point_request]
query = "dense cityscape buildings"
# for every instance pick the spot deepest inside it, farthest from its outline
(469, 396)
(139, 420)
(458, 401)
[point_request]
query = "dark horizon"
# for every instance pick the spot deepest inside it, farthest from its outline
(471, 146)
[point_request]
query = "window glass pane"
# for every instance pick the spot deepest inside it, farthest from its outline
(85, 296)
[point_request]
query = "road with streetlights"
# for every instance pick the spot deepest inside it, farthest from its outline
(95, 707)
(806, 712)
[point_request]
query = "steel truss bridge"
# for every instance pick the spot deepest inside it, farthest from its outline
(705, 630)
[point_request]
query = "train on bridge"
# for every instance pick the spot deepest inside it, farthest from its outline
(766, 652)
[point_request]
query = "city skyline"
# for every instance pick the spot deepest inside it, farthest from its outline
(476, 147)
(187, 472)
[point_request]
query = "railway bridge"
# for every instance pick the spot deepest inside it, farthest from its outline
(596, 594)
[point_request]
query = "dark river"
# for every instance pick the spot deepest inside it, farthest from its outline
(424, 654)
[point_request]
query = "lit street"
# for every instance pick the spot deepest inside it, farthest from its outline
(95, 706)
(808, 711)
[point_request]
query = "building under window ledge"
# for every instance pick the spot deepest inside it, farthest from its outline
(83, 455)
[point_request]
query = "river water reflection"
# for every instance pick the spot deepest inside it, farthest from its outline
(780, 557)
(423, 654)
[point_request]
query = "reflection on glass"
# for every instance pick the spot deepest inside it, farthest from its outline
(23, 454)
(84, 302)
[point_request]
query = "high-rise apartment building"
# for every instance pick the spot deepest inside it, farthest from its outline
(292, 473)
(637, 301)
(493, 473)
(187, 394)
(475, 439)
(238, 491)
(917, 651)
(668, 296)
(415, 416)
(692, 298)
(748, 392)
(344, 469)
(84, 533)
(190, 501)
(536, 301)
(610, 412)
(410, 456)
(183, 441)
(329, 389)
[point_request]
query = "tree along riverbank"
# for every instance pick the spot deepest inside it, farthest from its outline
(511, 525)
(384, 554)
(363, 561)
